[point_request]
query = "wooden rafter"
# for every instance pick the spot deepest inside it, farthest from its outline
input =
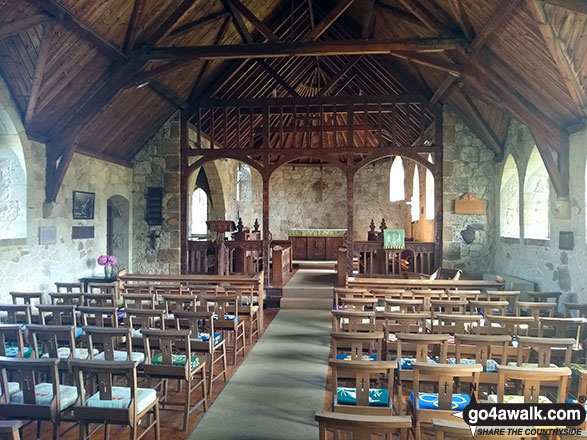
(330, 18)
(39, 73)
(462, 19)
(309, 48)
(81, 29)
(173, 14)
(441, 91)
(131, 30)
(14, 27)
(571, 5)
(557, 51)
(368, 20)
(165, 92)
(424, 15)
(429, 61)
(188, 27)
(237, 6)
(497, 19)
(397, 12)
(557, 170)
(342, 72)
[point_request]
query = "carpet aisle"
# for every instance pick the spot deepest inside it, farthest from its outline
(279, 386)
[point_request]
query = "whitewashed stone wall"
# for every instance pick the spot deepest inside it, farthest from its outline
(543, 262)
(468, 167)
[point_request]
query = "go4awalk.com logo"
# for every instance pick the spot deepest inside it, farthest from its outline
(523, 419)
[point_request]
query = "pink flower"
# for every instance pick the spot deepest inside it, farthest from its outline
(107, 260)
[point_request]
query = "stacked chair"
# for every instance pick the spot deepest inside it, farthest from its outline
(414, 357)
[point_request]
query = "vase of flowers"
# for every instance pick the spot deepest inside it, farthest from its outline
(107, 261)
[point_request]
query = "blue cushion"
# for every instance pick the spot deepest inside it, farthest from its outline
(121, 399)
(227, 317)
(348, 396)
(12, 351)
(430, 401)
(407, 362)
(44, 395)
(365, 357)
(78, 332)
(491, 364)
(205, 337)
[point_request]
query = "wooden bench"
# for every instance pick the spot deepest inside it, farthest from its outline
(395, 283)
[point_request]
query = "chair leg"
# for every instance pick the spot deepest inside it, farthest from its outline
(55, 431)
(204, 389)
(39, 425)
(186, 413)
(157, 423)
(235, 347)
(418, 431)
(83, 429)
(133, 433)
(211, 373)
(106, 431)
(224, 363)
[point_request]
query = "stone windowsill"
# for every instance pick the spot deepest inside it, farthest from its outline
(510, 240)
(536, 242)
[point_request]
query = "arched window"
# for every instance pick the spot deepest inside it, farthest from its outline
(509, 209)
(429, 192)
(397, 191)
(415, 209)
(244, 184)
(13, 182)
(199, 213)
(536, 195)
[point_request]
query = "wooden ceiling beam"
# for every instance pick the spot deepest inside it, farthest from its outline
(368, 20)
(39, 73)
(288, 49)
(558, 53)
(330, 18)
(85, 32)
(199, 23)
(397, 12)
(168, 94)
(131, 30)
(496, 20)
(429, 61)
(558, 175)
(237, 7)
(572, 5)
(425, 16)
(441, 91)
(462, 19)
(342, 72)
(16, 26)
(173, 15)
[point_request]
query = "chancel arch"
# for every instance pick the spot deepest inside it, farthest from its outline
(509, 200)
(536, 198)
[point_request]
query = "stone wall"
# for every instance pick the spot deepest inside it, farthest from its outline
(468, 240)
(156, 249)
(542, 261)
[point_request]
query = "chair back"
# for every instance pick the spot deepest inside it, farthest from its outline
(397, 322)
(485, 347)
(200, 324)
(447, 380)
(48, 339)
(448, 306)
(420, 346)
(69, 287)
(102, 287)
(109, 340)
(137, 289)
(535, 309)
(348, 292)
(488, 308)
(580, 308)
(102, 299)
(532, 380)
(144, 301)
(17, 313)
(138, 319)
(358, 303)
(509, 325)
(466, 295)
(562, 328)
(29, 373)
(453, 323)
(543, 349)
(361, 426)
(383, 294)
(30, 298)
(225, 309)
(169, 343)
(67, 298)
(11, 335)
(353, 320)
(357, 346)
(427, 295)
(175, 302)
(59, 314)
(404, 305)
(99, 316)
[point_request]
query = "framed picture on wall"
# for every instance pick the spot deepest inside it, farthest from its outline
(83, 205)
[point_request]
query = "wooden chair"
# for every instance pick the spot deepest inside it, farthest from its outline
(56, 342)
(145, 301)
(67, 298)
(383, 294)
(486, 350)
(544, 296)
(362, 427)
(488, 308)
(10, 429)
(99, 316)
(363, 398)
(248, 310)
(401, 323)
(427, 296)
(562, 328)
(174, 303)
(113, 404)
(357, 346)
(205, 340)
(447, 381)
(37, 400)
(448, 429)
(404, 305)
(110, 341)
(227, 320)
(509, 325)
(140, 319)
(12, 342)
(530, 381)
(60, 314)
(31, 299)
(103, 288)
(353, 321)
(69, 287)
(535, 309)
(580, 308)
(137, 289)
(358, 303)
(463, 295)
(452, 324)
(17, 313)
(543, 348)
(344, 292)
(448, 306)
(102, 299)
(175, 361)
(511, 296)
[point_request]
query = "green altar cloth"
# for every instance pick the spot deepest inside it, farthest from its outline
(299, 232)
(394, 238)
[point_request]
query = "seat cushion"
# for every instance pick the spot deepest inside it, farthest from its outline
(492, 398)
(12, 351)
(121, 399)
(13, 387)
(528, 365)
(348, 396)
(178, 360)
(136, 333)
(490, 368)
(406, 363)
(365, 357)
(430, 401)
(205, 337)
(78, 332)
(64, 352)
(44, 394)
(122, 356)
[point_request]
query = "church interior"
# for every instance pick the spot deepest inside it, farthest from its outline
(355, 218)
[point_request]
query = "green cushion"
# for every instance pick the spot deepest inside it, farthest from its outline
(44, 395)
(348, 396)
(121, 399)
(178, 360)
(12, 351)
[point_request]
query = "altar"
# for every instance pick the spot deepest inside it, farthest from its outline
(316, 244)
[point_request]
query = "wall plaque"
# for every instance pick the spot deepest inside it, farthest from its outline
(566, 240)
(469, 204)
(47, 235)
(81, 232)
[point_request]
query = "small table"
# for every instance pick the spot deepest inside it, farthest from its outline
(97, 279)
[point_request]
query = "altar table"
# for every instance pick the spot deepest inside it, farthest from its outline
(316, 244)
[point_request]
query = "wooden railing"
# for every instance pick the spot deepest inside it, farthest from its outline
(244, 256)
(282, 263)
(373, 260)
(201, 257)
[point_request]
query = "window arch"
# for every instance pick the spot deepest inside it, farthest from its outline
(536, 196)
(397, 191)
(509, 202)
(415, 208)
(244, 184)
(13, 182)
(429, 192)
(199, 213)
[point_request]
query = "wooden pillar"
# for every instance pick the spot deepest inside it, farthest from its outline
(438, 181)
(266, 232)
(183, 193)
(350, 214)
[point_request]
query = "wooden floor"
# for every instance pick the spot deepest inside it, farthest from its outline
(171, 422)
